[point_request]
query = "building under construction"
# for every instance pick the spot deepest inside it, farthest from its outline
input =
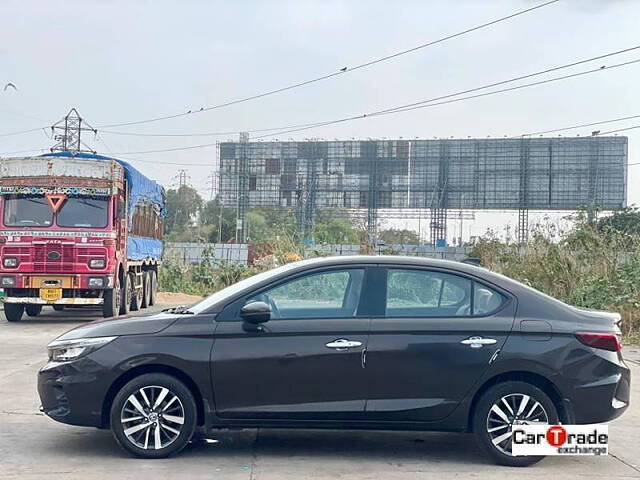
(401, 177)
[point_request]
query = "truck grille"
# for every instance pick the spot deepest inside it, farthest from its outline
(53, 258)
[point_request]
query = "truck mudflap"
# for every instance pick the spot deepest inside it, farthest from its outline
(61, 301)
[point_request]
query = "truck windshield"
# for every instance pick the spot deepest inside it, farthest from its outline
(83, 212)
(27, 211)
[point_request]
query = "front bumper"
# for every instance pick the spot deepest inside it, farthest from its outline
(73, 392)
(61, 301)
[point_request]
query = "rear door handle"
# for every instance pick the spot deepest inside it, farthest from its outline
(477, 342)
(343, 344)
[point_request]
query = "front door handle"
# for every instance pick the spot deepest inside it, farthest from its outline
(477, 342)
(343, 344)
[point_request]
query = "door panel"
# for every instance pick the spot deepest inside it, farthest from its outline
(284, 368)
(286, 371)
(416, 366)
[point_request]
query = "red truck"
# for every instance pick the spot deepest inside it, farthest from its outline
(78, 229)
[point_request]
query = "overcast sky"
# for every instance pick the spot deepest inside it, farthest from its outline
(119, 61)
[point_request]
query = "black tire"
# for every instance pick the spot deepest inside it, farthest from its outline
(184, 407)
(58, 308)
(13, 311)
(146, 289)
(511, 390)
(33, 310)
(111, 298)
(153, 276)
(125, 296)
(136, 293)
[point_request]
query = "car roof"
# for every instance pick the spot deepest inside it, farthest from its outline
(400, 260)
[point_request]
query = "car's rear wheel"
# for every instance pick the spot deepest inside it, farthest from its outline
(153, 416)
(503, 406)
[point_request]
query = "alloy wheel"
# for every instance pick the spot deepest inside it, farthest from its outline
(152, 417)
(510, 410)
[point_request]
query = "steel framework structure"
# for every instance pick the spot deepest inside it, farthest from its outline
(521, 174)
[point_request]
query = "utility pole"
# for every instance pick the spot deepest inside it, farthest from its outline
(67, 132)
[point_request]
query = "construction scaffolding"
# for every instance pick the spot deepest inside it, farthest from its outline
(432, 177)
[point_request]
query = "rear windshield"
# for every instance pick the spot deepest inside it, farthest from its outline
(27, 211)
(83, 212)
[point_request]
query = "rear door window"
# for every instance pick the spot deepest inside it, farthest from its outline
(426, 293)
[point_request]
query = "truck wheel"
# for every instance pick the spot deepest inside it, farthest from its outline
(146, 288)
(111, 301)
(58, 308)
(33, 310)
(125, 296)
(153, 281)
(136, 293)
(13, 311)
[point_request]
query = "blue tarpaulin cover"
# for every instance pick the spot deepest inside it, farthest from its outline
(141, 190)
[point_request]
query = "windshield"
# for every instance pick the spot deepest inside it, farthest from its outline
(27, 211)
(84, 212)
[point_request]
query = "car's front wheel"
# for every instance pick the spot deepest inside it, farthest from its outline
(503, 406)
(153, 416)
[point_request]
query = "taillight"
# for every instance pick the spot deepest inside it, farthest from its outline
(604, 341)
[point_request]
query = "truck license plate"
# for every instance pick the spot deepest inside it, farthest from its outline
(51, 294)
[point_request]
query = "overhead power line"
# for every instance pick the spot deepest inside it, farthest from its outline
(573, 127)
(619, 130)
(409, 106)
(454, 100)
(341, 71)
(20, 132)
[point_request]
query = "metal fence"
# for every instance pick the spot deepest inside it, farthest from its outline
(188, 253)
(194, 253)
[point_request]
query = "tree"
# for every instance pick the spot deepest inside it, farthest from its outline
(211, 217)
(183, 207)
(398, 236)
(335, 231)
(626, 221)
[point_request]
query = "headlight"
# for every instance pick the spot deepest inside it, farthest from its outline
(8, 282)
(96, 263)
(64, 350)
(10, 262)
(96, 282)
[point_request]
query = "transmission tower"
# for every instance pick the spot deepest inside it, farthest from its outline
(182, 178)
(67, 132)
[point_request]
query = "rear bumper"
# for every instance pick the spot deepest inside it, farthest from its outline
(604, 399)
(62, 301)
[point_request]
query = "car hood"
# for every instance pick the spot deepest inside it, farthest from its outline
(122, 326)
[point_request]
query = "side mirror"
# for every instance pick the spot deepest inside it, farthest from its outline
(256, 312)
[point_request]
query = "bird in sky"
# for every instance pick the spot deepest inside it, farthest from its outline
(10, 85)
(343, 69)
